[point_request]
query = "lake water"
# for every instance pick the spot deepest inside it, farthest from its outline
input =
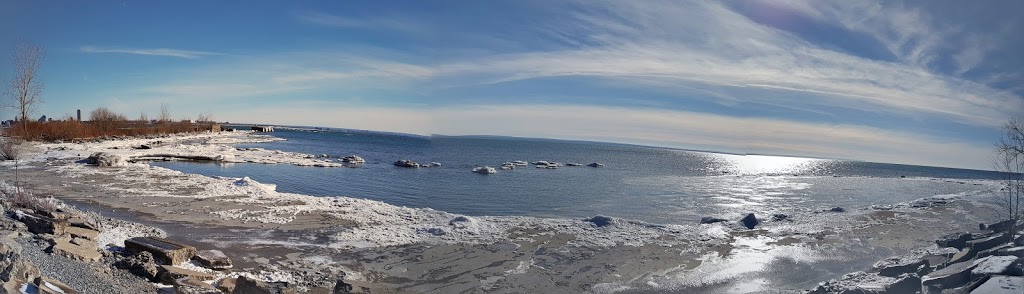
(656, 185)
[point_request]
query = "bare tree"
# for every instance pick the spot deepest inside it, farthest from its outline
(144, 118)
(25, 87)
(204, 118)
(1010, 161)
(105, 119)
(165, 113)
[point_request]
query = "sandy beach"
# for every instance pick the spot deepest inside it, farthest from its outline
(380, 248)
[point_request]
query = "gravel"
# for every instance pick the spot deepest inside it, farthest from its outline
(82, 276)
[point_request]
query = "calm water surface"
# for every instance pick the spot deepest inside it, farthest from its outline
(651, 184)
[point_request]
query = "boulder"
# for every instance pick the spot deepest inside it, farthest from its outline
(251, 286)
(407, 163)
(710, 220)
(952, 276)
(898, 265)
(76, 252)
(342, 288)
(213, 259)
(140, 264)
(227, 285)
(779, 217)
(82, 233)
(14, 268)
(955, 240)
(978, 245)
(993, 265)
(837, 209)
(601, 221)
(169, 251)
(40, 224)
(1001, 285)
(169, 273)
(750, 221)
(50, 286)
(189, 286)
(106, 159)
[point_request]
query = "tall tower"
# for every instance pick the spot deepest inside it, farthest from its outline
(79, 115)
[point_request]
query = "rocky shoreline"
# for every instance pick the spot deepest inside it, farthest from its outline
(987, 261)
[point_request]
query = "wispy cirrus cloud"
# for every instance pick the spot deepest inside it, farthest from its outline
(166, 52)
(377, 22)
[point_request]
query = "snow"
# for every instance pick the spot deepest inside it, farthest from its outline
(993, 265)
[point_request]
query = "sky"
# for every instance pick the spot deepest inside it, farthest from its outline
(914, 82)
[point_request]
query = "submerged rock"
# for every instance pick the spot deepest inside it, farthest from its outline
(213, 259)
(710, 220)
(595, 164)
(779, 217)
(406, 163)
(750, 221)
(601, 221)
(837, 209)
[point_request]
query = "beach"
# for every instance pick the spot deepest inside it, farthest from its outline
(312, 241)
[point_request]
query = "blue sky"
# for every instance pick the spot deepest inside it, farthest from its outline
(917, 82)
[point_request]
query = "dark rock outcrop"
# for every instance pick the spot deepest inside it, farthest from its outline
(601, 221)
(251, 286)
(140, 264)
(955, 240)
(710, 220)
(750, 221)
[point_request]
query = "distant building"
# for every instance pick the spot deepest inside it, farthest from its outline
(263, 128)
(79, 115)
(42, 118)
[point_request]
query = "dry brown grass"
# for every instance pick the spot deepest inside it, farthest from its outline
(73, 130)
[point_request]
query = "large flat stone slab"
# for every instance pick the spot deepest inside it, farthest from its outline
(169, 251)
(979, 245)
(213, 259)
(51, 286)
(190, 286)
(952, 276)
(1001, 285)
(41, 224)
(245, 285)
(169, 274)
(993, 265)
(76, 252)
(898, 265)
(82, 233)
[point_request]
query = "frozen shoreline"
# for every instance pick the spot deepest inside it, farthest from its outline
(367, 225)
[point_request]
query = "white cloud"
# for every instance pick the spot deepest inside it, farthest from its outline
(190, 54)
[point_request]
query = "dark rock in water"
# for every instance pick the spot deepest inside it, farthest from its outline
(710, 220)
(407, 163)
(750, 221)
(595, 164)
(981, 226)
(898, 265)
(779, 217)
(602, 221)
(837, 209)
(955, 240)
